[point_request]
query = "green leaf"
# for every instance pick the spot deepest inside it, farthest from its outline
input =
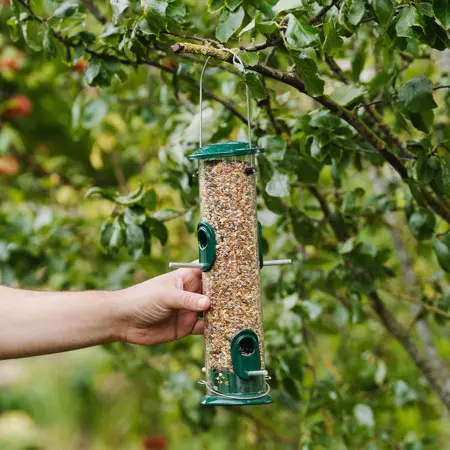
(425, 8)
(442, 12)
(416, 95)
(149, 200)
(266, 27)
(273, 145)
(286, 5)
(49, 44)
(364, 415)
(233, 4)
(104, 192)
(14, 28)
(256, 88)
(135, 240)
(442, 250)
(92, 70)
(421, 224)
(348, 95)
(306, 171)
(146, 249)
(229, 23)
(356, 11)
(93, 113)
(424, 172)
(155, 12)
(135, 214)
(118, 7)
(384, 11)
(278, 186)
(416, 192)
(215, 5)
(273, 203)
(117, 237)
(304, 229)
(441, 182)
(408, 21)
(65, 10)
(158, 229)
(176, 10)
(307, 69)
(248, 27)
(333, 42)
(422, 122)
(106, 234)
(33, 33)
(132, 198)
(299, 34)
(319, 147)
(404, 394)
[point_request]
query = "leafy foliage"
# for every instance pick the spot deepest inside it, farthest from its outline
(350, 100)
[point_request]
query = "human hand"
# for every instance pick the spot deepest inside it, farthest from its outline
(163, 309)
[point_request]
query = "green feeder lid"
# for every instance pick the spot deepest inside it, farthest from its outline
(224, 149)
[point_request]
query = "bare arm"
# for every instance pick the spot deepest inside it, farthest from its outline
(158, 310)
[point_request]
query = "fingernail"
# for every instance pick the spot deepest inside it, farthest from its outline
(202, 302)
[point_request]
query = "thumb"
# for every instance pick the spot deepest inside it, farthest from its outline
(188, 300)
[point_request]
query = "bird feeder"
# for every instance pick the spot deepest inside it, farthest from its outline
(230, 257)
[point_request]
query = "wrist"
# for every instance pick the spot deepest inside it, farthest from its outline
(120, 314)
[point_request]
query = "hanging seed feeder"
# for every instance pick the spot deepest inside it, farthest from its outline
(230, 257)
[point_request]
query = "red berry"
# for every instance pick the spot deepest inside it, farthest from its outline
(10, 64)
(8, 165)
(171, 64)
(18, 106)
(154, 442)
(80, 65)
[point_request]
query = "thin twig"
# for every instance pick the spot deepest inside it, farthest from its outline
(262, 45)
(365, 105)
(90, 6)
(318, 18)
(443, 86)
(194, 38)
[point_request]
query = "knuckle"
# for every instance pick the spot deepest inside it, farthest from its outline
(186, 300)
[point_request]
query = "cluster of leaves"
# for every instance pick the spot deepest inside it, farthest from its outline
(132, 227)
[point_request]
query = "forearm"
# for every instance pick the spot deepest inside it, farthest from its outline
(35, 323)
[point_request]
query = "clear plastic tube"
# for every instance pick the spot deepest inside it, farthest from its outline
(228, 204)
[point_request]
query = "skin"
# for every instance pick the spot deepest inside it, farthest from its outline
(159, 310)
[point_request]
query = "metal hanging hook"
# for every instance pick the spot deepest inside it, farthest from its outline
(247, 98)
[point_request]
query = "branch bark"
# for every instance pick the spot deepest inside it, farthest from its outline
(345, 114)
(427, 364)
(292, 80)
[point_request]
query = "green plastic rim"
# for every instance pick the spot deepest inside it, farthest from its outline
(225, 149)
(213, 400)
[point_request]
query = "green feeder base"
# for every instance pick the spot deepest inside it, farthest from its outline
(216, 400)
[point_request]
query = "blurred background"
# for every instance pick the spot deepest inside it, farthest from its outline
(340, 380)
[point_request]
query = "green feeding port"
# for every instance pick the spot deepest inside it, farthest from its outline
(239, 386)
(206, 245)
(225, 149)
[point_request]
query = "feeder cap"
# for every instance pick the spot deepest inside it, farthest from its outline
(225, 149)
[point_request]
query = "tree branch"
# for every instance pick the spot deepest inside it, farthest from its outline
(427, 364)
(294, 81)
